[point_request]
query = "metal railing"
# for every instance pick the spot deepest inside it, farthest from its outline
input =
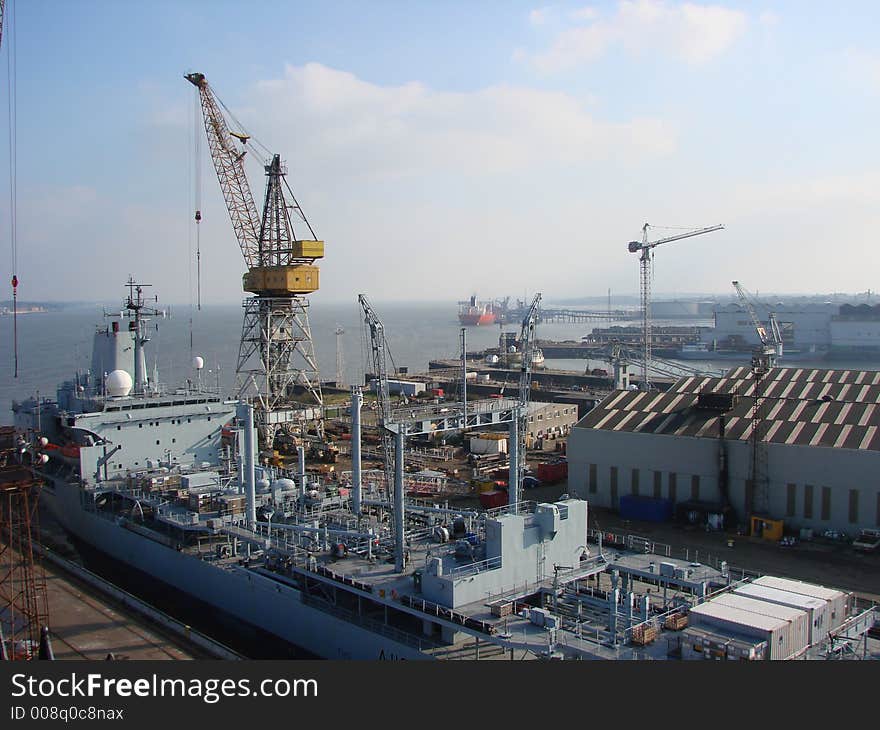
(479, 567)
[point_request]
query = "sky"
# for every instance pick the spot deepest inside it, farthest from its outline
(448, 148)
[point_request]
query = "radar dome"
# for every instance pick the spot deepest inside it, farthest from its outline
(118, 383)
(198, 362)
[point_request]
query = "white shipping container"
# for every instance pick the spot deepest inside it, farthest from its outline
(488, 446)
(725, 619)
(799, 630)
(818, 611)
(838, 600)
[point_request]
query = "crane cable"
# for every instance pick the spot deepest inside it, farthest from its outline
(13, 175)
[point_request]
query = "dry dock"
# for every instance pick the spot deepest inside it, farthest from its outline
(91, 619)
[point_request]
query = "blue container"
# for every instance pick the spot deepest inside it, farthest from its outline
(645, 509)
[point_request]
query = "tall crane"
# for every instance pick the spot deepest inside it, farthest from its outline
(771, 343)
(379, 362)
(276, 359)
(645, 249)
(521, 417)
(763, 358)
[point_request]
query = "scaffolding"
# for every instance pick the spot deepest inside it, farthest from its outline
(24, 611)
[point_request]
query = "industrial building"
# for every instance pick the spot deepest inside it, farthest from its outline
(550, 420)
(815, 439)
(811, 329)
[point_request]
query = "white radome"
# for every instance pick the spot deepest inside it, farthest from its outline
(198, 362)
(118, 383)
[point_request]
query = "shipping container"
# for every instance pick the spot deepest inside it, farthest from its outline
(552, 473)
(734, 621)
(702, 644)
(838, 600)
(818, 611)
(645, 509)
(799, 630)
(495, 498)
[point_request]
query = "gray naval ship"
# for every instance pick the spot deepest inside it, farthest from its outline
(167, 481)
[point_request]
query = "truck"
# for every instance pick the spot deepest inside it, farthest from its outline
(868, 540)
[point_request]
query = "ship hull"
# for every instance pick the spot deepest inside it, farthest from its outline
(269, 605)
(476, 320)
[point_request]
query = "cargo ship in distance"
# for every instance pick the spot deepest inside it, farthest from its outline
(475, 314)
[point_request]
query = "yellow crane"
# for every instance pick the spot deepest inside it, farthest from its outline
(276, 363)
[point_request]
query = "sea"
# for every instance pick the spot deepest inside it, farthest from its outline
(53, 345)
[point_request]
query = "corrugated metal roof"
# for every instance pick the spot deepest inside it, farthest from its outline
(801, 406)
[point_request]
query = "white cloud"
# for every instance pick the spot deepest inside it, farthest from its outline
(694, 33)
(539, 16)
(341, 120)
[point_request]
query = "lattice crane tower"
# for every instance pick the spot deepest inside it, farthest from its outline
(276, 367)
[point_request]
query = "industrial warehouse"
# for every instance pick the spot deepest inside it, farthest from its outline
(803, 449)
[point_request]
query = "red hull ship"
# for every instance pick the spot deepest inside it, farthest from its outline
(473, 313)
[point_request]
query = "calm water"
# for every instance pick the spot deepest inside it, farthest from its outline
(53, 345)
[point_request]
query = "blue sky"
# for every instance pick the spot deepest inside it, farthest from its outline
(445, 148)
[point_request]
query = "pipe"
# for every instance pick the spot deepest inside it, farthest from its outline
(513, 449)
(464, 375)
(320, 530)
(398, 516)
(245, 412)
(420, 508)
(301, 455)
(357, 400)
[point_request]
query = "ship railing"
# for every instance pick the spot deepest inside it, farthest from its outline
(520, 508)
(419, 642)
(480, 566)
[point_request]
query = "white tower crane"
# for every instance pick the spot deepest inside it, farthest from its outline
(645, 250)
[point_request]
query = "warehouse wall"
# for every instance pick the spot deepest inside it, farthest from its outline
(814, 487)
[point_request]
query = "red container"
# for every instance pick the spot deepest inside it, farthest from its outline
(438, 392)
(495, 498)
(552, 473)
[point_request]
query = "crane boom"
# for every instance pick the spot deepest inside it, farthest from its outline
(639, 245)
(771, 344)
(228, 163)
(527, 348)
(379, 357)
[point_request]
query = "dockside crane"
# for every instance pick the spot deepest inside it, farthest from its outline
(770, 348)
(379, 362)
(764, 357)
(521, 419)
(645, 249)
(276, 361)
